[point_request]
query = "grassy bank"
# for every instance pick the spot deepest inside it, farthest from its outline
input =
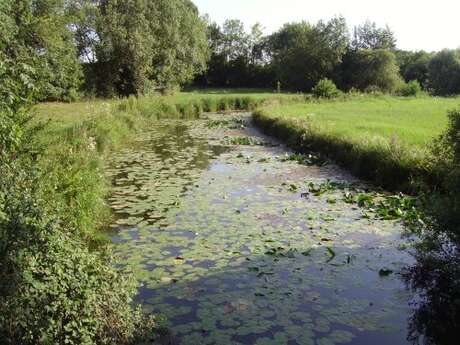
(384, 139)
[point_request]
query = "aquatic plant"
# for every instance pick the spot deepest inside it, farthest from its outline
(229, 251)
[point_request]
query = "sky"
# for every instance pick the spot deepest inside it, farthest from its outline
(418, 24)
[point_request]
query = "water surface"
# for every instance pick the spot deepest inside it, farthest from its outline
(232, 249)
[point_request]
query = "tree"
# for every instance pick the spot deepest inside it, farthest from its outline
(145, 44)
(238, 58)
(84, 15)
(36, 32)
(369, 36)
(303, 53)
(414, 65)
(256, 44)
(235, 41)
(368, 69)
(444, 72)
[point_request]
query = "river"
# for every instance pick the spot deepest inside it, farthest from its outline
(231, 245)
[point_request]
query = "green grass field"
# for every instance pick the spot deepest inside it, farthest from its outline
(413, 121)
(381, 138)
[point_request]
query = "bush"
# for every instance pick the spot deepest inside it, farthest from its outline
(414, 66)
(325, 88)
(411, 88)
(54, 290)
(445, 165)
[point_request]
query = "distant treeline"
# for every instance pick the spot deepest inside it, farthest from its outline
(122, 47)
(298, 55)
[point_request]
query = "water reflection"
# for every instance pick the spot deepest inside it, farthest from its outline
(436, 278)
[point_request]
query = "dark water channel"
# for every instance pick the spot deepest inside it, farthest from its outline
(232, 249)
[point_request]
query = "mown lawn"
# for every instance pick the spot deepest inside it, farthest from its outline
(414, 121)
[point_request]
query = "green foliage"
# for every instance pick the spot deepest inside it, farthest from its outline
(363, 69)
(237, 57)
(303, 53)
(17, 91)
(325, 88)
(53, 289)
(411, 88)
(36, 32)
(142, 48)
(445, 164)
(414, 66)
(444, 72)
(382, 206)
(369, 36)
(300, 54)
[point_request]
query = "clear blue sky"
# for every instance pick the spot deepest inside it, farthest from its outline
(418, 24)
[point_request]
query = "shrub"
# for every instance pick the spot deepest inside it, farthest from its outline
(414, 65)
(411, 88)
(54, 290)
(445, 166)
(325, 88)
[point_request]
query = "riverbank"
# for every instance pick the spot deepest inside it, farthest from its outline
(383, 139)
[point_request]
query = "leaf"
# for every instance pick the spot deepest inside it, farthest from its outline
(331, 253)
(385, 272)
